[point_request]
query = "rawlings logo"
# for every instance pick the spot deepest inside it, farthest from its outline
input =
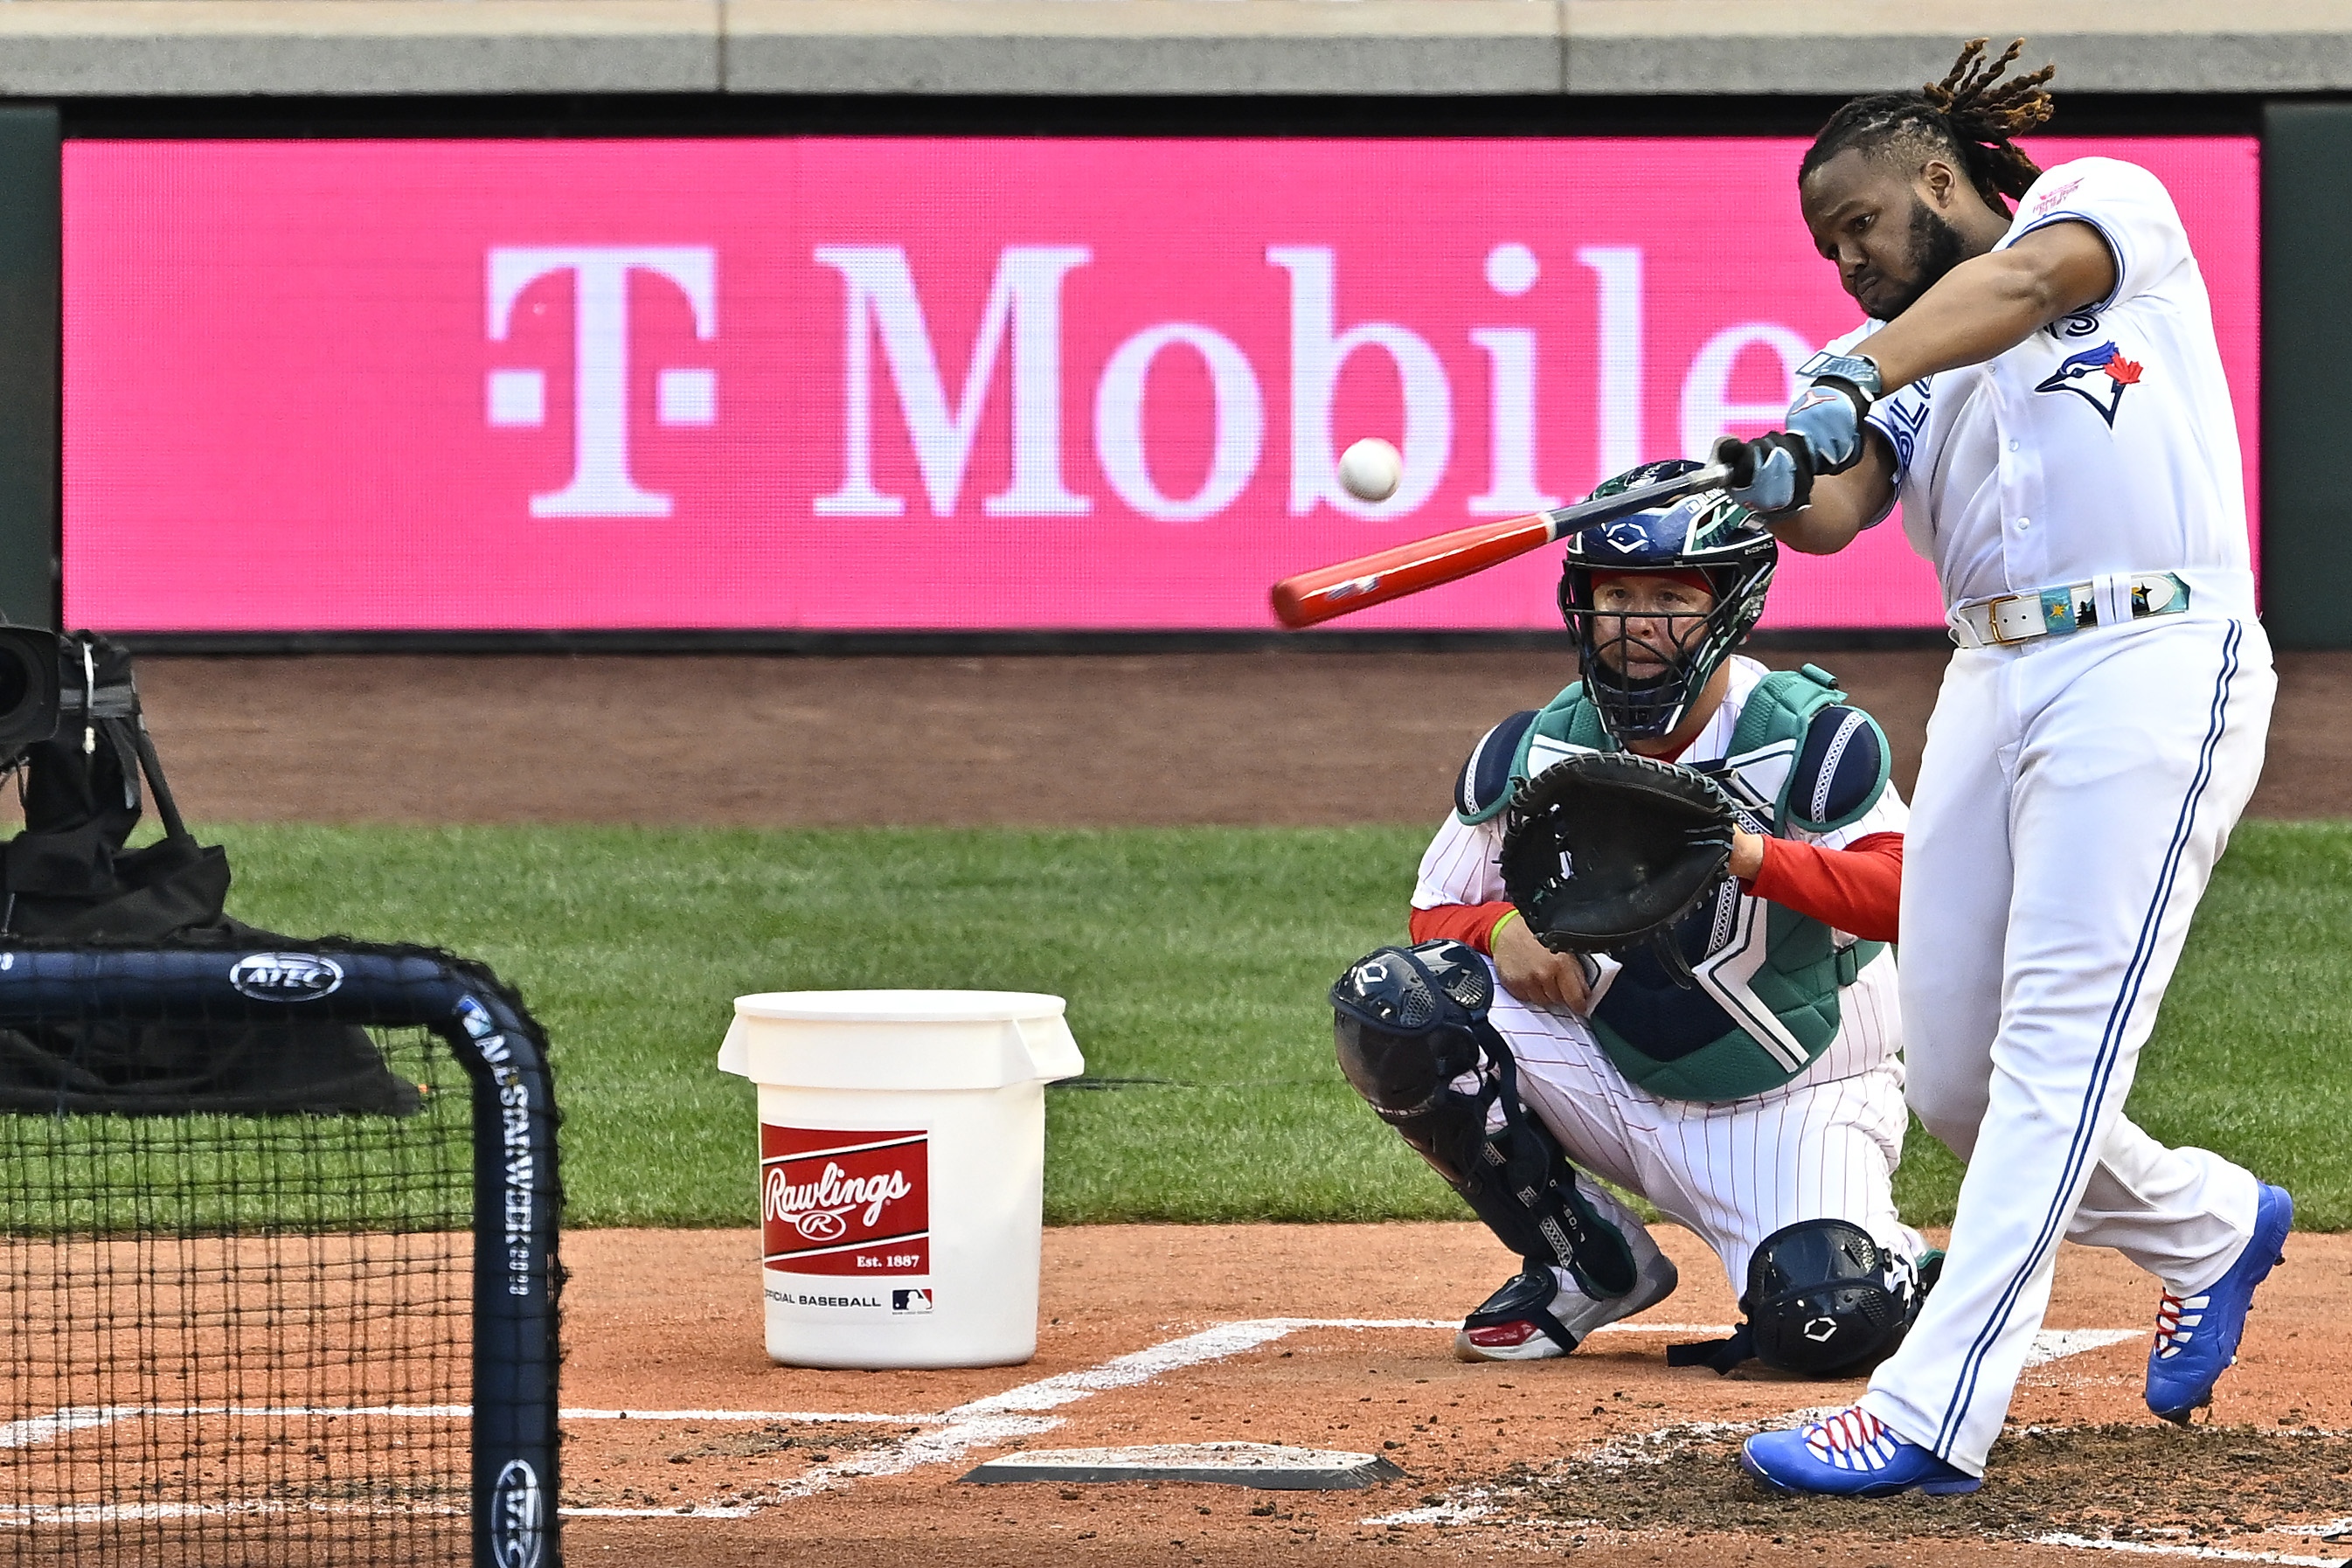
(815, 1209)
(834, 1202)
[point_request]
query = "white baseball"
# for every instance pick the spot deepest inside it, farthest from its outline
(1371, 469)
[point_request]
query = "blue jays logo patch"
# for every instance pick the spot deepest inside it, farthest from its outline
(2099, 376)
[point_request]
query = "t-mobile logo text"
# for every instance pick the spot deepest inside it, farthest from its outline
(601, 484)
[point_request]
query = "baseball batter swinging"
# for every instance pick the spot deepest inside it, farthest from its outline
(1756, 1096)
(2041, 389)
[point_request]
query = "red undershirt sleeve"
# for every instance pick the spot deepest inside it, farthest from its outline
(1858, 888)
(1472, 923)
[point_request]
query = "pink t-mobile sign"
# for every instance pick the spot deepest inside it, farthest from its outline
(904, 383)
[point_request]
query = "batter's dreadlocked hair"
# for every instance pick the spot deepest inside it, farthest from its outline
(1971, 114)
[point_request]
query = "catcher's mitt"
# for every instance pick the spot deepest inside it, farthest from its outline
(1605, 849)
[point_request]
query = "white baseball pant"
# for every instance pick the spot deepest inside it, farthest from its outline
(1734, 1173)
(2074, 795)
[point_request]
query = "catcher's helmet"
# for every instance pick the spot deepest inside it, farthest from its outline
(1409, 1021)
(1823, 1297)
(1706, 532)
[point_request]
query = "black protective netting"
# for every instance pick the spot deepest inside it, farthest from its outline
(241, 1310)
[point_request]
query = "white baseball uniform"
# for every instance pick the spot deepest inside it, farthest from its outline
(2076, 792)
(1823, 1146)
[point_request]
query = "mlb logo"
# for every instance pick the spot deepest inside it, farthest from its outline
(910, 1301)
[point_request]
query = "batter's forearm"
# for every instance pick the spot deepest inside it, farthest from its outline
(1843, 505)
(1990, 304)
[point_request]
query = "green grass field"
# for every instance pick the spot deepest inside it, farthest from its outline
(1195, 956)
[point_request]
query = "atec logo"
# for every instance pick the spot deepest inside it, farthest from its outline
(518, 1516)
(286, 976)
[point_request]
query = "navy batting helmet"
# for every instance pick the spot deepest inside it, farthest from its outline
(1706, 532)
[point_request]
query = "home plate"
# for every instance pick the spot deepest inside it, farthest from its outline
(1266, 1466)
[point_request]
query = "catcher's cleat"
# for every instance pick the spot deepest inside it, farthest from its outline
(1851, 1454)
(1534, 1317)
(2197, 1336)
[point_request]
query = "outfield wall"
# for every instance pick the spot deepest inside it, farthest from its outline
(836, 384)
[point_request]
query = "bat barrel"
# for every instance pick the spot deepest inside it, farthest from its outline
(1328, 592)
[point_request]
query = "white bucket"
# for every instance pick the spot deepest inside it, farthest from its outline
(902, 1170)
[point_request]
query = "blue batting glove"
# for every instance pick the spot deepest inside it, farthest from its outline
(1827, 416)
(1772, 474)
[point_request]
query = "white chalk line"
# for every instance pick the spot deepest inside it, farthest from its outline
(27, 1515)
(2057, 1344)
(683, 1510)
(23, 1515)
(991, 1421)
(57, 1424)
(2205, 1553)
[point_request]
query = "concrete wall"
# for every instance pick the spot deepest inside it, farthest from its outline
(67, 48)
(30, 458)
(2307, 373)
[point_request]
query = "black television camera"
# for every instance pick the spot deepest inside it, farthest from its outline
(32, 685)
(75, 690)
(70, 728)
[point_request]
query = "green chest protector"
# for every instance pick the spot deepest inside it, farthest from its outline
(1765, 1002)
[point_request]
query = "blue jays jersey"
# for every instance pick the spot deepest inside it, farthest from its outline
(2103, 444)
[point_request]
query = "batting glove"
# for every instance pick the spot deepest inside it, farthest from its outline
(1771, 476)
(1838, 390)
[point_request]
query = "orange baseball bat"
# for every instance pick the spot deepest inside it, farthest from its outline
(1331, 591)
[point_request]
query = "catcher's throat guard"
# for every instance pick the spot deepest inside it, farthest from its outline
(1604, 851)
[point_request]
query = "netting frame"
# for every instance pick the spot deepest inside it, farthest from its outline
(516, 1273)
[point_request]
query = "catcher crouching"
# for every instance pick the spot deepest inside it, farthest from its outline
(1651, 947)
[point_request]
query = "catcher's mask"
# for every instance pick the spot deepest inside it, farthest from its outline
(1708, 533)
(1823, 1297)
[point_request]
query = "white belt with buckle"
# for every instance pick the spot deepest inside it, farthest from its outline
(2068, 607)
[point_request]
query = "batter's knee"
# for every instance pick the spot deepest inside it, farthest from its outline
(1951, 1107)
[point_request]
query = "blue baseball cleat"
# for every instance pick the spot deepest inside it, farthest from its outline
(2197, 1336)
(1851, 1454)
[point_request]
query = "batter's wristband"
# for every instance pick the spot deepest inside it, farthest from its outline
(1497, 929)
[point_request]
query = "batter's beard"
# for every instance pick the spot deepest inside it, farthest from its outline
(1936, 247)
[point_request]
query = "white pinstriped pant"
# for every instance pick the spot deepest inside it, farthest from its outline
(2074, 795)
(1819, 1148)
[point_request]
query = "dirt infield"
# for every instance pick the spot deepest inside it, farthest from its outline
(1608, 1450)
(685, 1446)
(1276, 737)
